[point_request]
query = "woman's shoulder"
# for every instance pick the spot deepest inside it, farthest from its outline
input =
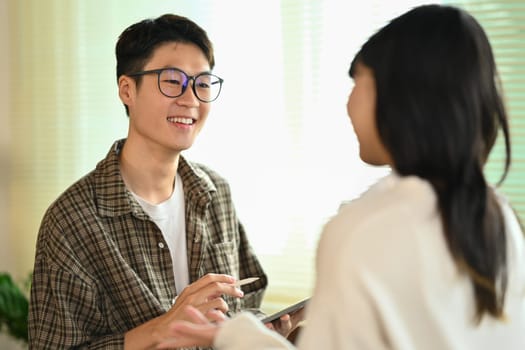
(392, 227)
(391, 217)
(390, 199)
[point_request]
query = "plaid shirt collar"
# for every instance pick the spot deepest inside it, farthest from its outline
(114, 199)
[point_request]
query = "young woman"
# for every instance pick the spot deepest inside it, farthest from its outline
(432, 256)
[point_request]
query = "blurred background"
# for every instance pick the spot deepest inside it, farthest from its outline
(285, 143)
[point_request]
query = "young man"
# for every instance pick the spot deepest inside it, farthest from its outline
(125, 249)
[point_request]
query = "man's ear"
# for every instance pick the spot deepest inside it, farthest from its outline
(126, 89)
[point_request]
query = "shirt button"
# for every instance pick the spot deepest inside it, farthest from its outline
(196, 239)
(161, 245)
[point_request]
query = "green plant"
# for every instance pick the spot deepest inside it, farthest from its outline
(14, 308)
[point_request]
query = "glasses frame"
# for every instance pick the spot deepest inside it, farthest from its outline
(184, 86)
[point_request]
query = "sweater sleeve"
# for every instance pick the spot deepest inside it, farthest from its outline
(245, 331)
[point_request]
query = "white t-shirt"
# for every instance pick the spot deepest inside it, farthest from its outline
(386, 280)
(170, 218)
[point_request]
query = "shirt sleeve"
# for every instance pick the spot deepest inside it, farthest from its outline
(64, 312)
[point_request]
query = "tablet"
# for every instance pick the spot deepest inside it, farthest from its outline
(289, 310)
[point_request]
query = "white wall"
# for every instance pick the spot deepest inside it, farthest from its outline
(6, 260)
(5, 257)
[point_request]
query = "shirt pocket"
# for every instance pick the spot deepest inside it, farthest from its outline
(222, 258)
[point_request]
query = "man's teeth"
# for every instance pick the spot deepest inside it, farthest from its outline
(187, 121)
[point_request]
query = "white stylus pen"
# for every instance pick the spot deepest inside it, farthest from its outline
(245, 281)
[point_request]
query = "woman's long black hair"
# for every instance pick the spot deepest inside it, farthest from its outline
(439, 111)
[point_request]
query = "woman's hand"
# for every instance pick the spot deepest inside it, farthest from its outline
(200, 331)
(286, 324)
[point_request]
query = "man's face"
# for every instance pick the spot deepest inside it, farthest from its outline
(160, 122)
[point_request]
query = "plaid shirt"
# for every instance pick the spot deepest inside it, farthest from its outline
(102, 266)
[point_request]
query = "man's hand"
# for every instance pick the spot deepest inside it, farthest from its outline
(204, 296)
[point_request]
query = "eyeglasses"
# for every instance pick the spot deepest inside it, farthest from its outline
(173, 82)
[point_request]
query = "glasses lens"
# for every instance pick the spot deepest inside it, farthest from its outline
(207, 86)
(172, 82)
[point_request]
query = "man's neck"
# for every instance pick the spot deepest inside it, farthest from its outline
(148, 170)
